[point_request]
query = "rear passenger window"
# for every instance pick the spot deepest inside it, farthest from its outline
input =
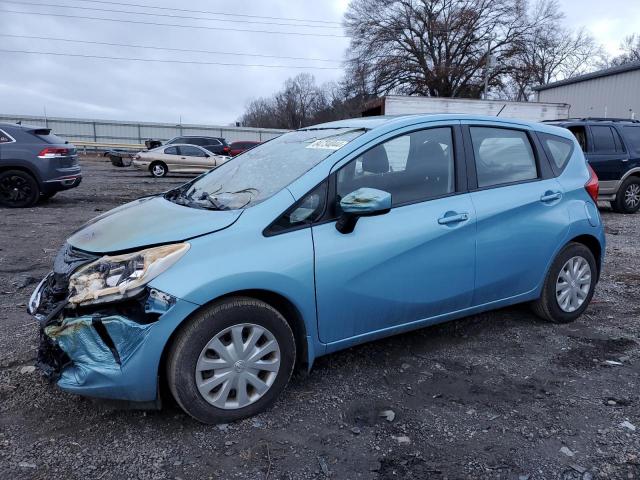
(558, 149)
(502, 156)
(412, 167)
(191, 151)
(632, 135)
(605, 140)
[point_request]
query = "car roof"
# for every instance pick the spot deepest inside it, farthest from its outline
(388, 122)
(197, 136)
(20, 126)
(181, 145)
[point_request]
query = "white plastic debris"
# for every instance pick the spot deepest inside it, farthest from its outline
(388, 415)
(629, 425)
(567, 452)
(403, 440)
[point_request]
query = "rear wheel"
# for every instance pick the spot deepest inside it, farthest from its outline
(231, 361)
(18, 189)
(628, 197)
(569, 285)
(158, 169)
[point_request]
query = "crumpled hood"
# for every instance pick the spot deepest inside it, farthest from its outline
(148, 221)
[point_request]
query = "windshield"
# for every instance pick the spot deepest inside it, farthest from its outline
(262, 171)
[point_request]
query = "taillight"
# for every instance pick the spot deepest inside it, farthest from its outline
(592, 186)
(53, 152)
(226, 149)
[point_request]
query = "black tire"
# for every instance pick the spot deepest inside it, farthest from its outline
(547, 306)
(627, 199)
(158, 169)
(200, 330)
(18, 189)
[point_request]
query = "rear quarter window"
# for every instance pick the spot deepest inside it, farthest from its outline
(558, 149)
(5, 137)
(632, 136)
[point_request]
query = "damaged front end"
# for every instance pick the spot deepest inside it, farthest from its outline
(95, 313)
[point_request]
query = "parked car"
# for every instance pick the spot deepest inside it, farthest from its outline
(34, 165)
(236, 148)
(318, 240)
(177, 159)
(612, 148)
(216, 145)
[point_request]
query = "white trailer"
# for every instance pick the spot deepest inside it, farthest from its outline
(530, 111)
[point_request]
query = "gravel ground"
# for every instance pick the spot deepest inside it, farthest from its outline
(497, 395)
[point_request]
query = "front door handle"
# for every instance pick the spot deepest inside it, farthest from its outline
(453, 217)
(551, 196)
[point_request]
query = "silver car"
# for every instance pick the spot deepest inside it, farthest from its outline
(180, 158)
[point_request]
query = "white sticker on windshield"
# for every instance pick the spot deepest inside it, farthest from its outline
(328, 144)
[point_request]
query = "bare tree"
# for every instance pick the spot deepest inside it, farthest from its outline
(295, 106)
(630, 47)
(547, 52)
(432, 47)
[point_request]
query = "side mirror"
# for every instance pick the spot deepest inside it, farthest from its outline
(364, 202)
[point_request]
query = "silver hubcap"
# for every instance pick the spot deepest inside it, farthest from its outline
(632, 195)
(238, 366)
(158, 170)
(573, 284)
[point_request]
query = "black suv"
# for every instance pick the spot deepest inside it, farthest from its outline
(216, 145)
(34, 165)
(612, 147)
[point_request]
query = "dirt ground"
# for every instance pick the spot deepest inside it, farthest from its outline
(497, 395)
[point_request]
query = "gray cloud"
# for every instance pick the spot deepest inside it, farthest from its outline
(80, 87)
(112, 89)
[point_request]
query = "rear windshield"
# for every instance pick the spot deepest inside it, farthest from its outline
(46, 136)
(263, 170)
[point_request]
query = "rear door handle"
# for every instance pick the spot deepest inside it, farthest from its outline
(551, 196)
(453, 217)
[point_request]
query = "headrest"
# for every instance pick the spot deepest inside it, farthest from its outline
(375, 160)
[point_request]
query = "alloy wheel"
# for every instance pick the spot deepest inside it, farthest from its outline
(632, 195)
(238, 366)
(15, 189)
(573, 284)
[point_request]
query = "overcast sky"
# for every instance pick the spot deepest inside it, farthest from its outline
(211, 94)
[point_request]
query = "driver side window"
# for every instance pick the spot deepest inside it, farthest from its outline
(412, 168)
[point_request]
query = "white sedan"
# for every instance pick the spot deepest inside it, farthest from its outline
(177, 158)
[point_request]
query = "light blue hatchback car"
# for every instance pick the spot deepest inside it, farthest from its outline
(318, 240)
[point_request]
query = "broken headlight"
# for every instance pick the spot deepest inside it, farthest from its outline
(114, 278)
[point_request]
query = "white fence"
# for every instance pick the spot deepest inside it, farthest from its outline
(113, 131)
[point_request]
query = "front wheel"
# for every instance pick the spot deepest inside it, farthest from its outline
(231, 361)
(569, 285)
(628, 197)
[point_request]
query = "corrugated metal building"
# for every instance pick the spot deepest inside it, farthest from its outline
(611, 93)
(114, 131)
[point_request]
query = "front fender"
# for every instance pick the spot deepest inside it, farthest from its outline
(236, 259)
